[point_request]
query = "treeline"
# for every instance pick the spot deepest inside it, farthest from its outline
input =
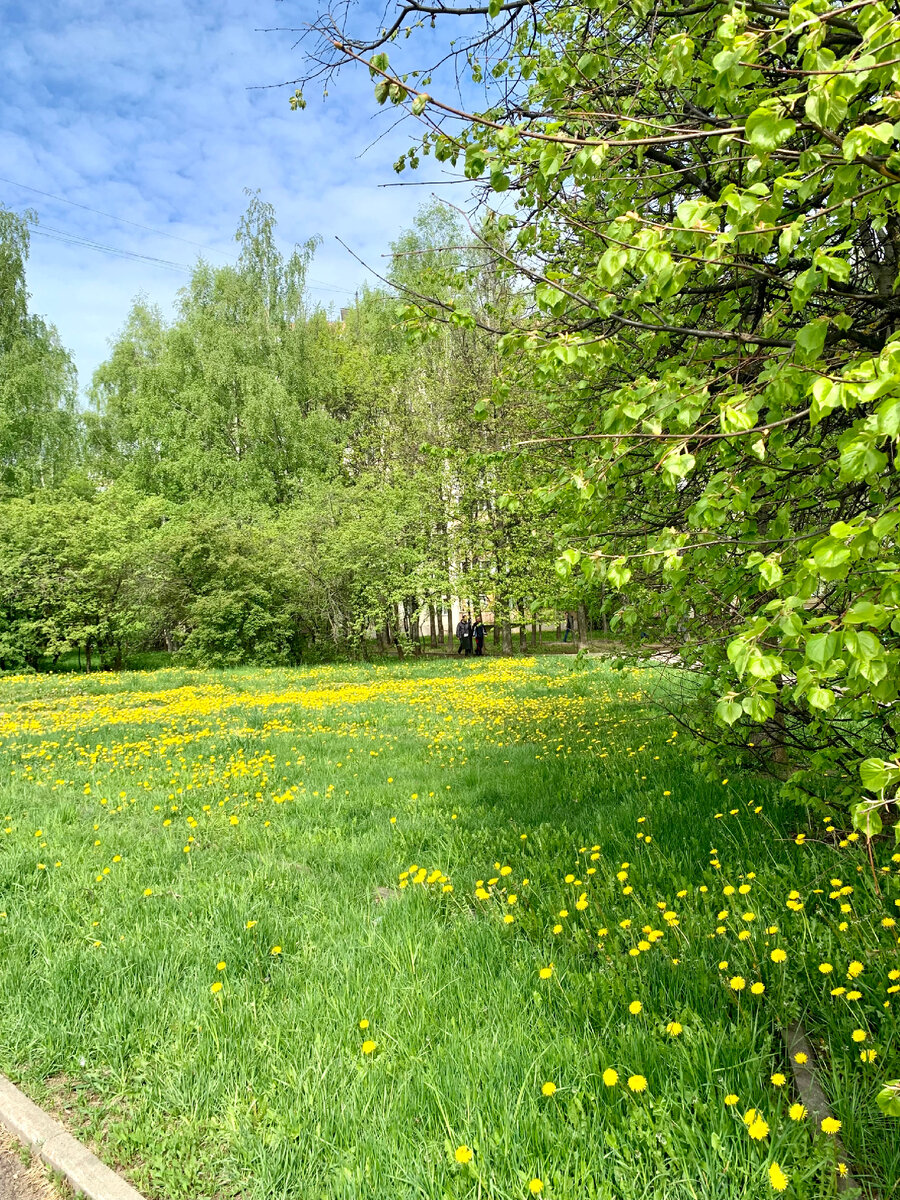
(256, 481)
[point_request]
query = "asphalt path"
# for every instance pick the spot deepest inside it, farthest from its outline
(20, 1182)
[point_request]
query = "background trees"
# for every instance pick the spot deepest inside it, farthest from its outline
(257, 481)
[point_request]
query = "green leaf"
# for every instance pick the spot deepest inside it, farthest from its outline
(820, 698)
(888, 1099)
(866, 818)
(861, 458)
(875, 774)
(766, 131)
(811, 339)
(728, 711)
(589, 65)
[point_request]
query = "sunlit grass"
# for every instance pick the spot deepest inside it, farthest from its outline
(210, 881)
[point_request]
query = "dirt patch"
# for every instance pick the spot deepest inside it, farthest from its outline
(21, 1182)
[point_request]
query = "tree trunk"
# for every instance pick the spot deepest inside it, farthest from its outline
(534, 635)
(582, 624)
(432, 633)
(603, 614)
(523, 629)
(449, 639)
(506, 629)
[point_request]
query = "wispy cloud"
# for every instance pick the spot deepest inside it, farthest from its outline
(147, 111)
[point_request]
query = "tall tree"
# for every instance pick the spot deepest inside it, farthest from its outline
(39, 435)
(704, 201)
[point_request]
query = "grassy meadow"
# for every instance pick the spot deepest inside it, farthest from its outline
(438, 931)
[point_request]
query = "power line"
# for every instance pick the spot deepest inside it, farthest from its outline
(71, 239)
(77, 239)
(111, 216)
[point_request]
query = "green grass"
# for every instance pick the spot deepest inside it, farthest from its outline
(262, 1089)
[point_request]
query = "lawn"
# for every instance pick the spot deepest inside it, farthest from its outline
(441, 930)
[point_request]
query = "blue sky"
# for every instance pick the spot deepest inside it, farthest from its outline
(142, 109)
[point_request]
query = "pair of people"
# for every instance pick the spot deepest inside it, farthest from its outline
(470, 633)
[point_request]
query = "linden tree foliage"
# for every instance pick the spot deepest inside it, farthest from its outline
(700, 204)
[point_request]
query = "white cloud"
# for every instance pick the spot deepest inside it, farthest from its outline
(145, 110)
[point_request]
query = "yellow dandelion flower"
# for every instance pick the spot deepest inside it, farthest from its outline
(830, 1125)
(777, 1178)
(548, 1088)
(368, 1046)
(463, 1154)
(758, 1129)
(797, 1112)
(635, 1007)
(731, 1099)
(610, 1077)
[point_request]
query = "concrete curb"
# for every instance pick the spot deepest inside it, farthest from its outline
(814, 1098)
(83, 1171)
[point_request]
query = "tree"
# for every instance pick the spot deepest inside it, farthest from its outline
(703, 203)
(234, 398)
(38, 420)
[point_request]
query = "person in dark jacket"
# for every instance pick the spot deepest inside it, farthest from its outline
(478, 635)
(570, 626)
(464, 634)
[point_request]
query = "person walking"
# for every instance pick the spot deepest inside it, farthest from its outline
(464, 634)
(570, 626)
(478, 634)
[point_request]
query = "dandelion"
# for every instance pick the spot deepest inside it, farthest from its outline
(546, 972)
(800, 1058)
(859, 1035)
(610, 1077)
(250, 924)
(548, 1088)
(830, 1125)
(276, 950)
(797, 1112)
(535, 1187)
(737, 983)
(216, 987)
(463, 1154)
(637, 1083)
(777, 1178)
(778, 1079)
(758, 1129)
(673, 1029)
(757, 988)
(868, 1056)
(731, 1099)
(368, 1046)
(826, 968)
(778, 956)
(635, 1007)
(842, 1169)
(364, 1024)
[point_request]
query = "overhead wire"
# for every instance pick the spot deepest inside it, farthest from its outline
(61, 235)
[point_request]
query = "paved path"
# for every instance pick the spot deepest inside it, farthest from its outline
(18, 1182)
